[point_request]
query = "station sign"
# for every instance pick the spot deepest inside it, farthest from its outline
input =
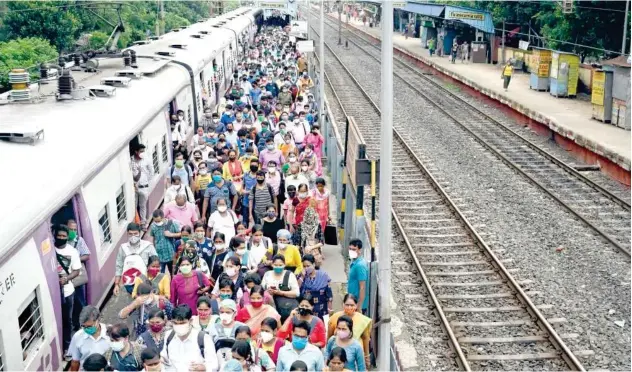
(305, 46)
(274, 5)
(462, 15)
(399, 4)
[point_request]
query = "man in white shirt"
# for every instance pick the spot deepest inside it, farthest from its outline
(92, 338)
(68, 268)
(143, 173)
(186, 348)
(295, 178)
(299, 129)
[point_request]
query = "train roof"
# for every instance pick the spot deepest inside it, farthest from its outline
(79, 137)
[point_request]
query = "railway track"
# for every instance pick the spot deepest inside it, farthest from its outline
(600, 209)
(489, 320)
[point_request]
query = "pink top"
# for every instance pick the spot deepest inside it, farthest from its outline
(184, 290)
(288, 211)
(317, 141)
(186, 216)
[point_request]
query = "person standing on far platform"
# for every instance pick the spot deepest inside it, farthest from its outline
(431, 46)
(506, 75)
(454, 51)
(465, 52)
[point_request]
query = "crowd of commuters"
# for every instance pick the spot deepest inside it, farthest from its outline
(228, 274)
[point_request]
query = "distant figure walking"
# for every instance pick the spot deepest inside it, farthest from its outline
(431, 46)
(506, 74)
(465, 52)
(454, 51)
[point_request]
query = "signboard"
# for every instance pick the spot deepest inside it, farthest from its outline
(598, 87)
(399, 4)
(524, 45)
(305, 46)
(460, 14)
(572, 63)
(280, 5)
(354, 142)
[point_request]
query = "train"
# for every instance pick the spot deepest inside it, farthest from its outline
(71, 132)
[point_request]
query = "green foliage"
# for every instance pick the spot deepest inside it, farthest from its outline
(23, 53)
(174, 21)
(97, 40)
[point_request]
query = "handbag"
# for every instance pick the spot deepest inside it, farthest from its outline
(285, 305)
(82, 278)
(331, 235)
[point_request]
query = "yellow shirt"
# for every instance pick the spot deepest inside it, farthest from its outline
(164, 287)
(292, 257)
(202, 182)
(508, 70)
(227, 175)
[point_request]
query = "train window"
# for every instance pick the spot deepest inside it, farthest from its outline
(104, 223)
(31, 325)
(121, 212)
(198, 100)
(165, 156)
(155, 160)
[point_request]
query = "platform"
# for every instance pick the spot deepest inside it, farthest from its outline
(568, 118)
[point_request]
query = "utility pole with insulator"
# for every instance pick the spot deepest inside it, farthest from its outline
(567, 6)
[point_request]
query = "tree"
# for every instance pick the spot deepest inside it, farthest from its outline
(97, 40)
(23, 53)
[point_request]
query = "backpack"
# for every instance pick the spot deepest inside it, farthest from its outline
(186, 169)
(133, 265)
(285, 305)
(200, 342)
(254, 195)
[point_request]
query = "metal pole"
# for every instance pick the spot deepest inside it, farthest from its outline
(309, 20)
(386, 184)
(162, 18)
(625, 27)
(340, 23)
(321, 80)
(502, 57)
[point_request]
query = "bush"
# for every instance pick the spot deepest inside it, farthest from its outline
(23, 53)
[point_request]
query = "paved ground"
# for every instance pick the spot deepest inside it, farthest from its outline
(570, 118)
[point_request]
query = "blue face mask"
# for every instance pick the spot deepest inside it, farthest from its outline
(90, 330)
(224, 296)
(278, 270)
(217, 178)
(299, 343)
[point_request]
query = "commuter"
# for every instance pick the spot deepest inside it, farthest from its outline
(219, 189)
(178, 188)
(223, 220)
(282, 285)
(344, 339)
(337, 360)
(231, 273)
(506, 74)
(309, 174)
(316, 283)
(301, 350)
(139, 308)
(151, 360)
(358, 274)
(96, 362)
(191, 251)
(299, 130)
(454, 51)
(305, 312)
(295, 178)
(202, 180)
(261, 197)
(431, 46)
(215, 258)
(256, 311)
(131, 259)
(285, 96)
(259, 356)
(303, 200)
(243, 260)
(142, 173)
(68, 268)
(123, 354)
(289, 252)
(288, 208)
(299, 366)
(188, 285)
(272, 223)
(267, 339)
(154, 336)
(321, 195)
(206, 316)
(313, 160)
(259, 244)
(292, 159)
(361, 329)
(227, 326)
(160, 282)
(181, 169)
(465, 52)
(163, 233)
(187, 349)
(316, 139)
(80, 282)
(241, 359)
(204, 244)
(91, 339)
(250, 281)
(182, 211)
(271, 154)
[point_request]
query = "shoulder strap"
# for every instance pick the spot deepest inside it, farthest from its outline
(125, 248)
(60, 260)
(214, 306)
(271, 193)
(313, 323)
(200, 340)
(198, 273)
(168, 341)
(286, 279)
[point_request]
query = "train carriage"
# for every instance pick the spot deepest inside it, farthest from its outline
(79, 167)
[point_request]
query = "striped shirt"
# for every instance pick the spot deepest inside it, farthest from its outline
(262, 200)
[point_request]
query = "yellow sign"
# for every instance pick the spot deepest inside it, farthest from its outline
(454, 14)
(273, 5)
(572, 62)
(399, 4)
(45, 246)
(598, 87)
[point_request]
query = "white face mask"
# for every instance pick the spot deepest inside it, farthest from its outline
(181, 329)
(304, 168)
(266, 336)
(302, 195)
(117, 345)
(241, 252)
(134, 240)
(222, 208)
(141, 155)
(226, 318)
(353, 254)
(231, 271)
(220, 246)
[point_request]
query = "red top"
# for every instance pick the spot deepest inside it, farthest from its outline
(299, 211)
(317, 335)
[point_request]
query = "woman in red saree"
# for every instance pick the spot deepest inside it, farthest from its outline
(253, 314)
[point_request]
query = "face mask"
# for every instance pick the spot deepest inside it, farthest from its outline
(60, 242)
(343, 335)
(266, 336)
(153, 271)
(134, 240)
(304, 312)
(299, 343)
(222, 208)
(198, 235)
(203, 172)
(271, 169)
(304, 168)
(254, 168)
(141, 155)
(241, 252)
(256, 305)
(156, 328)
(302, 195)
(185, 269)
(72, 235)
(270, 147)
(204, 314)
(308, 151)
(309, 270)
(278, 270)
(292, 159)
(220, 246)
(179, 163)
(226, 318)
(231, 271)
(149, 301)
(181, 329)
(159, 223)
(232, 157)
(215, 121)
(117, 345)
(90, 330)
(217, 178)
(271, 214)
(353, 254)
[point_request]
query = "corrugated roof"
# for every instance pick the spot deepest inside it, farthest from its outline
(621, 61)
